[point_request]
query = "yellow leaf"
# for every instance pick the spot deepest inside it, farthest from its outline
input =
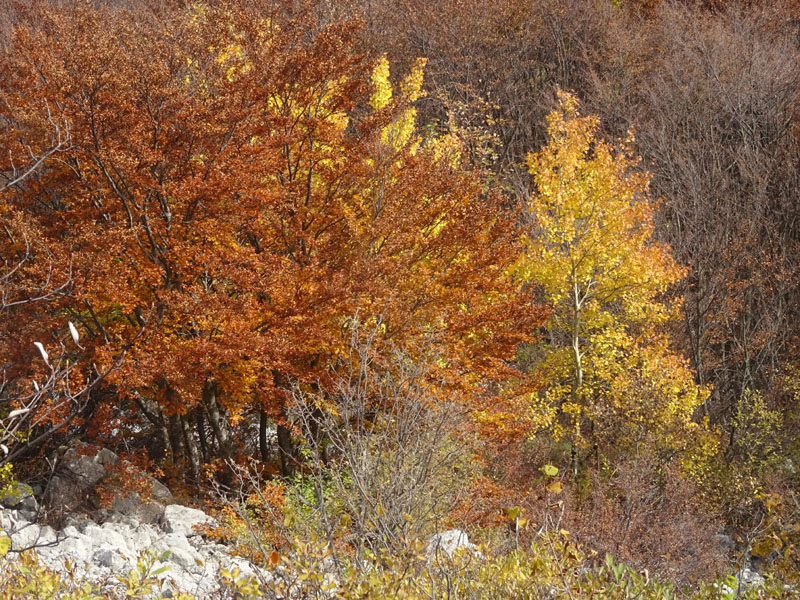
(549, 470)
(554, 487)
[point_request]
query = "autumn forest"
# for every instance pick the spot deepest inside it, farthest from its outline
(349, 273)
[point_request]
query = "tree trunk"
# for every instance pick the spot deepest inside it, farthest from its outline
(201, 433)
(192, 457)
(218, 425)
(577, 307)
(286, 448)
(262, 436)
(175, 435)
(318, 433)
(163, 433)
(286, 451)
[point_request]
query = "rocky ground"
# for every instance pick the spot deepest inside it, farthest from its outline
(101, 544)
(109, 542)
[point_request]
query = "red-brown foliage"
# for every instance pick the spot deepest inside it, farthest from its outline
(228, 204)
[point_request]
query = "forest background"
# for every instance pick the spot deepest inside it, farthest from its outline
(381, 268)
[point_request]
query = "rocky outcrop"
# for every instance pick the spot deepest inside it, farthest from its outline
(106, 542)
(82, 469)
(100, 552)
(100, 546)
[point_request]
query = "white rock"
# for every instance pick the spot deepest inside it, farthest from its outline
(75, 549)
(750, 578)
(28, 535)
(99, 553)
(110, 558)
(143, 537)
(744, 579)
(25, 536)
(70, 531)
(448, 542)
(181, 552)
(107, 536)
(12, 521)
(47, 535)
(184, 520)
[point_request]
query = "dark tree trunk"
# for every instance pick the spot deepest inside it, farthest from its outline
(201, 433)
(192, 457)
(217, 421)
(288, 461)
(175, 436)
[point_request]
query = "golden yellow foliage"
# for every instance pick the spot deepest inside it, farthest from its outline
(611, 375)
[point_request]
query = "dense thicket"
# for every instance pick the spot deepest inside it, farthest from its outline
(228, 205)
(710, 91)
(563, 234)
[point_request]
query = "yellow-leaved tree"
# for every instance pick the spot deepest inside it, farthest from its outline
(611, 382)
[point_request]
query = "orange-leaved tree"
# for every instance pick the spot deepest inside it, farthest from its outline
(239, 185)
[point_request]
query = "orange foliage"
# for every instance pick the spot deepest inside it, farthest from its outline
(228, 204)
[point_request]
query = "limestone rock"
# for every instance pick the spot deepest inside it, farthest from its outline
(448, 542)
(184, 520)
(18, 496)
(105, 543)
(181, 552)
(83, 468)
(107, 537)
(25, 536)
(109, 558)
(131, 509)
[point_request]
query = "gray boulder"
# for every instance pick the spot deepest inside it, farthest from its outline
(80, 470)
(19, 496)
(110, 558)
(725, 543)
(83, 468)
(133, 510)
